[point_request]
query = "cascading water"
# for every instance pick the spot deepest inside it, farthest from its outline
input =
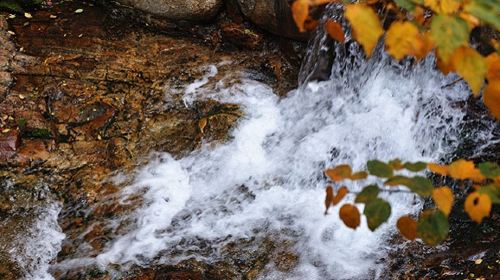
(268, 182)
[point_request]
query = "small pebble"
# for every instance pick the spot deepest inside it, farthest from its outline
(11, 32)
(99, 137)
(6, 130)
(478, 261)
(26, 24)
(11, 16)
(53, 16)
(22, 97)
(28, 15)
(78, 11)
(80, 36)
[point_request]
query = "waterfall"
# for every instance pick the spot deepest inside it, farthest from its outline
(267, 181)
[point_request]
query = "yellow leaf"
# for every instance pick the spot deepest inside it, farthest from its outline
(438, 169)
(407, 226)
(401, 39)
(339, 172)
(443, 197)
(469, 64)
(358, 176)
(491, 98)
(464, 169)
(493, 62)
(471, 20)
(443, 6)
(335, 30)
(349, 214)
(300, 12)
(478, 206)
(366, 27)
(445, 67)
(340, 194)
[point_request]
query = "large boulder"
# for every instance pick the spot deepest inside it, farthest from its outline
(274, 16)
(193, 10)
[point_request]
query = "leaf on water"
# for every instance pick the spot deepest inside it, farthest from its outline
(491, 98)
(335, 30)
(443, 197)
(379, 169)
(449, 33)
(300, 12)
(349, 214)
(407, 226)
(493, 191)
(485, 10)
(328, 198)
(366, 26)
(339, 172)
(415, 166)
(368, 193)
(478, 206)
(438, 169)
(490, 170)
(469, 64)
(465, 169)
(432, 227)
(341, 193)
(377, 211)
(401, 39)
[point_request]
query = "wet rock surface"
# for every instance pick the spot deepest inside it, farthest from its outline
(178, 9)
(84, 95)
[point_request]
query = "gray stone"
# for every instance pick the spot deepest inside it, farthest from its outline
(177, 9)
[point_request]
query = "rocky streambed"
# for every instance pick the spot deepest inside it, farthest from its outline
(87, 95)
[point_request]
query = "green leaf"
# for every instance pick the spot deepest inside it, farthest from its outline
(448, 32)
(379, 169)
(377, 211)
(489, 169)
(397, 181)
(415, 166)
(368, 193)
(406, 4)
(418, 184)
(421, 186)
(433, 227)
(493, 191)
(486, 10)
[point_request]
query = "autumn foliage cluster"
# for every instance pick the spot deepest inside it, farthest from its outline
(420, 27)
(432, 225)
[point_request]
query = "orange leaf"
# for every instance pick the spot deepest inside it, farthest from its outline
(419, 15)
(438, 169)
(322, 2)
(469, 64)
(443, 197)
(401, 39)
(341, 193)
(407, 226)
(349, 214)
(424, 46)
(358, 176)
(443, 6)
(445, 67)
(491, 98)
(464, 169)
(328, 198)
(366, 26)
(300, 12)
(335, 30)
(339, 172)
(478, 206)
(493, 62)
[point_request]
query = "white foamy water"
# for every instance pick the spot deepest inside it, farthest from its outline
(35, 251)
(268, 180)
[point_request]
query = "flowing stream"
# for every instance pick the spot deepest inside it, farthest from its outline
(267, 181)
